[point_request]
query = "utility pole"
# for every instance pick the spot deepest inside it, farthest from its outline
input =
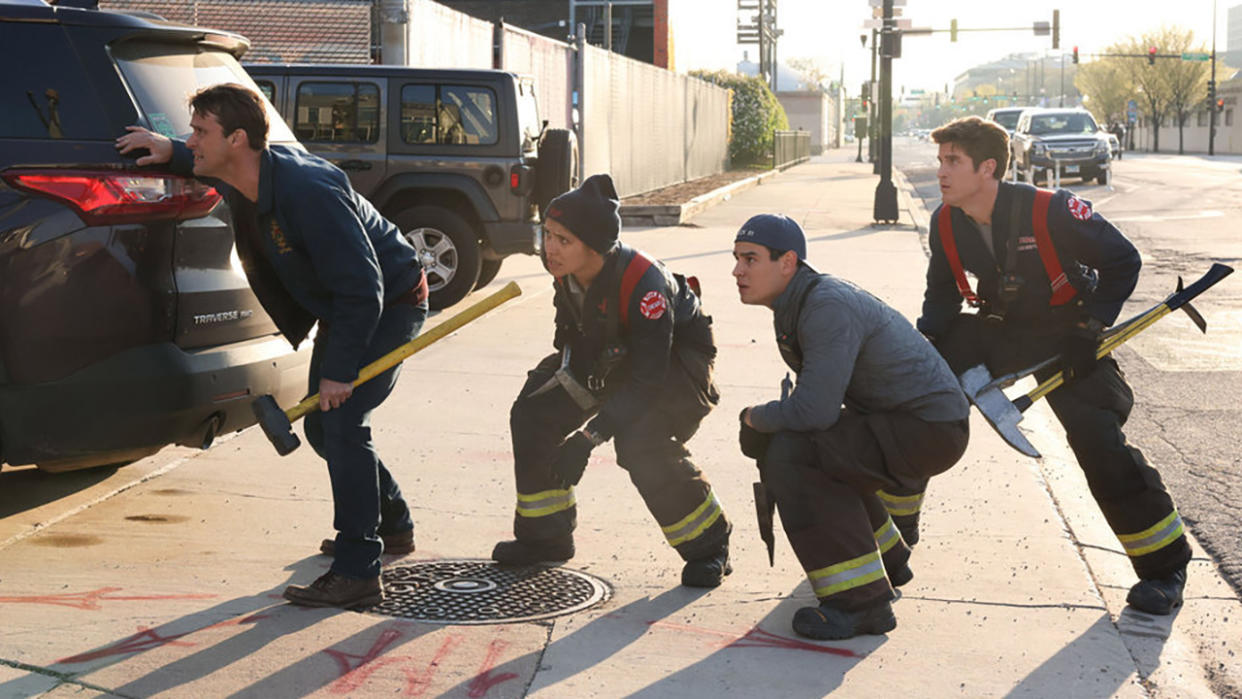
(1212, 106)
(1062, 102)
(885, 208)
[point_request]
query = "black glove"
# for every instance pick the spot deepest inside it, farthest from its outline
(1078, 358)
(571, 459)
(754, 443)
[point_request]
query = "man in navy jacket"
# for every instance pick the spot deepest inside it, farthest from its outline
(314, 250)
(1052, 273)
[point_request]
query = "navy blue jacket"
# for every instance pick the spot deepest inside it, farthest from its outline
(325, 246)
(663, 317)
(1099, 261)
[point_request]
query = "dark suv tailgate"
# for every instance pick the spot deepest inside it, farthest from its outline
(215, 305)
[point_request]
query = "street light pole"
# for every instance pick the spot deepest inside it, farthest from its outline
(1212, 107)
(885, 208)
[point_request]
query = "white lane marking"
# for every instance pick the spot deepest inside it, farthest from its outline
(1150, 218)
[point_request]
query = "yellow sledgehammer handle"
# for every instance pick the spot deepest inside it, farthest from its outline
(395, 357)
(1109, 344)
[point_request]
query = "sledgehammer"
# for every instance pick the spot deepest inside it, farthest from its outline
(1004, 414)
(277, 424)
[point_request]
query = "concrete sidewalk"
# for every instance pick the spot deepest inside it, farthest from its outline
(171, 587)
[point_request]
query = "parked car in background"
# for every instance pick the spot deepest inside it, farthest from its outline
(1068, 139)
(457, 158)
(126, 323)
(1006, 117)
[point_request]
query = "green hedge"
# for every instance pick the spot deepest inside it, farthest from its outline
(756, 114)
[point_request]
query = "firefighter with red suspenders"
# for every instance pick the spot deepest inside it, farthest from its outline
(1052, 274)
(634, 362)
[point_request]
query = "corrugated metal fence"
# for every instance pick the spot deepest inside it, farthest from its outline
(647, 126)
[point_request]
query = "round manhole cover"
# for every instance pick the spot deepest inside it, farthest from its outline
(480, 592)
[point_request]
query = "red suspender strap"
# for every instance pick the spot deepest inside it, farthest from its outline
(944, 225)
(634, 271)
(1062, 290)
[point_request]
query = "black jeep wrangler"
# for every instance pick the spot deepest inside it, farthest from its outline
(457, 158)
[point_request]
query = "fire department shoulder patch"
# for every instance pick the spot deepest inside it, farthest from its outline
(652, 305)
(1078, 208)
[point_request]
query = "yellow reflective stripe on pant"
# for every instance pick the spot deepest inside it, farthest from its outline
(900, 504)
(544, 503)
(695, 523)
(887, 536)
(840, 577)
(1155, 537)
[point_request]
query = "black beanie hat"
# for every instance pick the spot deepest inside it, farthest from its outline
(591, 212)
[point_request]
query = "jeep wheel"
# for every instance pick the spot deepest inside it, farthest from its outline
(448, 248)
(487, 272)
(556, 171)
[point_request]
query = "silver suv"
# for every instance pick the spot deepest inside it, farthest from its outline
(457, 158)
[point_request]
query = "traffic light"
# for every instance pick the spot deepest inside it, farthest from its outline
(1151, 56)
(1211, 91)
(1056, 29)
(1075, 54)
(1220, 104)
(953, 30)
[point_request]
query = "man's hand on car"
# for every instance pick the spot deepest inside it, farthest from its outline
(333, 393)
(159, 147)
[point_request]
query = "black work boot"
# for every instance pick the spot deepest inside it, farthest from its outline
(709, 571)
(825, 623)
(1158, 595)
(397, 544)
(336, 590)
(519, 552)
(908, 525)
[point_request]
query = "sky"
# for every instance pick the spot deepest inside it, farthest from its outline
(828, 31)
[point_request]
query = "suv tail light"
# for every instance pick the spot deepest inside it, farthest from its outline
(520, 180)
(102, 197)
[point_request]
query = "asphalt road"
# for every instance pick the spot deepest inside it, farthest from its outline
(1182, 213)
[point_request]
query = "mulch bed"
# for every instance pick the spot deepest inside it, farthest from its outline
(685, 191)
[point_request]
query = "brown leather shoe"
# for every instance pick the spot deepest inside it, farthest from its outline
(397, 544)
(336, 590)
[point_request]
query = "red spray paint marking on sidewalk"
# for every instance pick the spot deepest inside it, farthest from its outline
(352, 676)
(419, 681)
(148, 639)
(90, 600)
(483, 682)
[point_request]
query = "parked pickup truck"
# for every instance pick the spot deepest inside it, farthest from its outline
(1065, 138)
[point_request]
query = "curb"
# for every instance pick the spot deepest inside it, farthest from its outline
(677, 214)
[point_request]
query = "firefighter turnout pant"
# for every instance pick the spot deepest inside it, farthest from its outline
(652, 449)
(1092, 410)
(825, 485)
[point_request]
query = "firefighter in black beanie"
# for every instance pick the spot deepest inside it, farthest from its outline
(634, 364)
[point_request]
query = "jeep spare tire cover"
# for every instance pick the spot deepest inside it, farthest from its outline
(556, 172)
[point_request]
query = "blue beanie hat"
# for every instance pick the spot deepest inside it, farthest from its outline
(591, 212)
(775, 231)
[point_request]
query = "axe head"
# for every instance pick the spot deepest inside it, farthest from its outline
(275, 424)
(997, 409)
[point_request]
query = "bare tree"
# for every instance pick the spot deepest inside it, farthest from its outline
(1186, 81)
(1148, 79)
